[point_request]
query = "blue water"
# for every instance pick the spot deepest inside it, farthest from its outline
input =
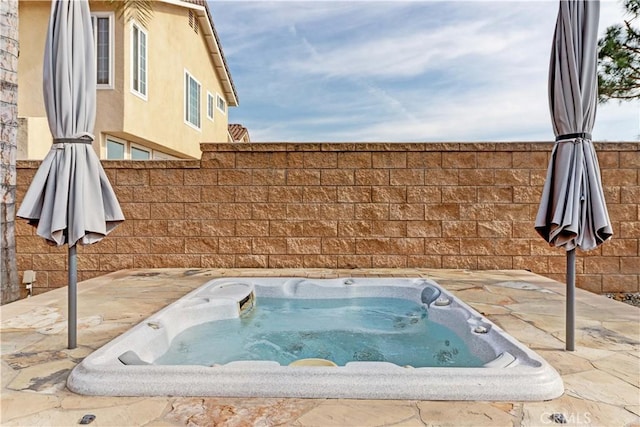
(342, 330)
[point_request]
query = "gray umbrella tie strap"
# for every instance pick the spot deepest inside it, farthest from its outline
(82, 140)
(567, 136)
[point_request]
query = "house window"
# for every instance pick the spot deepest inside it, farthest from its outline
(159, 155)
(102, 24)
(221, 104)
(192, 100)
(209, 106)
(140, 153)
(138, 61)
(118, 149)
(115, 150)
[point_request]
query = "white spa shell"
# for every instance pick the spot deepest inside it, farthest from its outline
(124, 366)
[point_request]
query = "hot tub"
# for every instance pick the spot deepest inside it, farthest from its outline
(134, 364)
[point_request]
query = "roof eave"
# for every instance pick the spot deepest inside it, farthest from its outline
(214, 47)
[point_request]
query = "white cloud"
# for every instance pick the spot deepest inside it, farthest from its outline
(399, 71)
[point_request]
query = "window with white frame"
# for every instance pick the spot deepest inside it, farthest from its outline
(221, 104)
(115, 149)
(140, 153)
(159, 155)
(210, 113)
(138, 60)
(119, 149)
(102, 23)
(191, 100)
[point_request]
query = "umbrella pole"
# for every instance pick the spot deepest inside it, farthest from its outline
(72, 294)
(571, 295)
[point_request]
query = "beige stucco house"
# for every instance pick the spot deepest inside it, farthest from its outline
(162, 89)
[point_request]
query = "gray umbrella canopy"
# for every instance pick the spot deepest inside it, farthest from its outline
(573, 213)
(70, 199)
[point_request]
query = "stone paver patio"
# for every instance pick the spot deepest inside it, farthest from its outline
(602, 377)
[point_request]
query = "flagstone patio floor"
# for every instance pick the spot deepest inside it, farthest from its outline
(601, 378)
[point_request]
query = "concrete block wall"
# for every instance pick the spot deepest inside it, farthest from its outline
(348, 205)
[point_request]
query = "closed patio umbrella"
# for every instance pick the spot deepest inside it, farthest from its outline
(573, 213)
(70, 199)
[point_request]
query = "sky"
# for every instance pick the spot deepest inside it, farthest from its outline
(400, 71)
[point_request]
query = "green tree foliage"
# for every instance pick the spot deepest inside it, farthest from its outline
(619, 58)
